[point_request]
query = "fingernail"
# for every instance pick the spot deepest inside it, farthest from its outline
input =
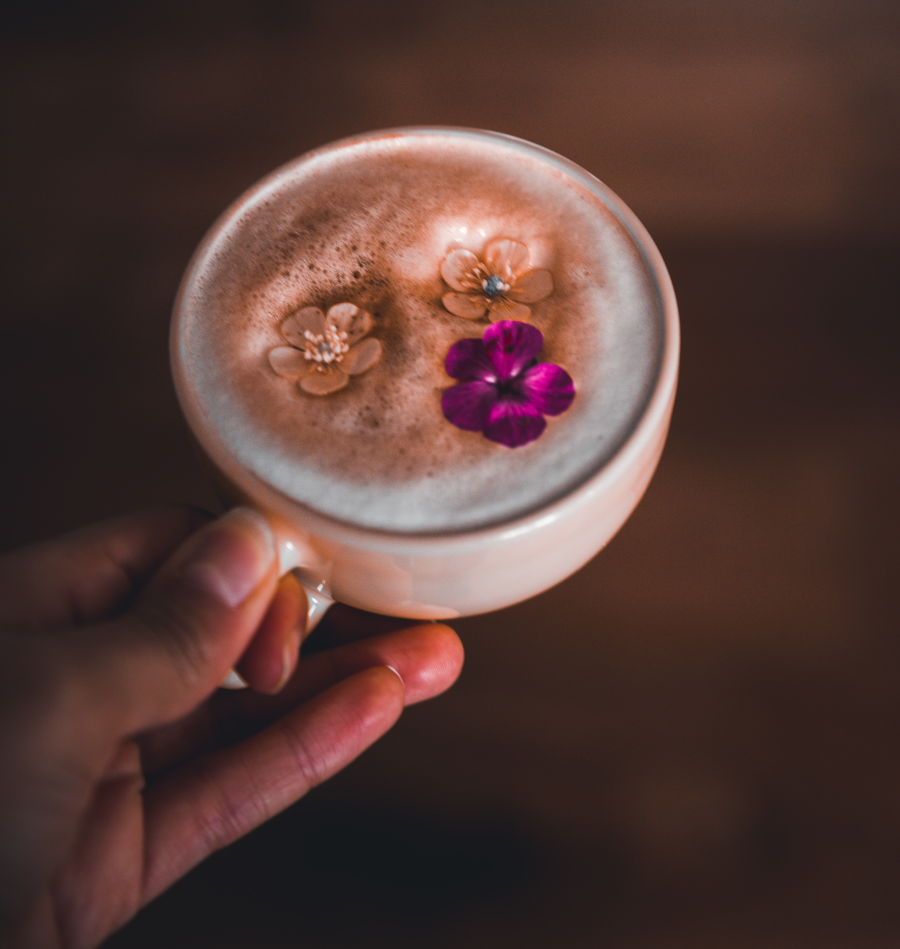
(231, 556)
(397, 674)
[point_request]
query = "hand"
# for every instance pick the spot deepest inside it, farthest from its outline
(121, 763)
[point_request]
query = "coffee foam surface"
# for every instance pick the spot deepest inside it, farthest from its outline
(370, 224)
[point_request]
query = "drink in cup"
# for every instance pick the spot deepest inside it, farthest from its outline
(441, 362)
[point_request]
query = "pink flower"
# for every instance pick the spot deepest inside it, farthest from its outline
(504, 391)
(501, 285)
(325, 350)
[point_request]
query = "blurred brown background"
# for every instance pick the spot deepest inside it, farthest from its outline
(696, 740)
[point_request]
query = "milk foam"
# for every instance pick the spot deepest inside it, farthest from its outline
(369, 224)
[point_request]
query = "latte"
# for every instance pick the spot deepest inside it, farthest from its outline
(369, 222)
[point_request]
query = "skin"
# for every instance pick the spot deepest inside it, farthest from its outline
(122, 765)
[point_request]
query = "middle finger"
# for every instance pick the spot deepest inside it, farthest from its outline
(428, 658)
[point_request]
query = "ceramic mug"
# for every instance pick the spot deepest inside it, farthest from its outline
(446, 573)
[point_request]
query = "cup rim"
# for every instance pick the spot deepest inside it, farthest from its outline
(655, 414)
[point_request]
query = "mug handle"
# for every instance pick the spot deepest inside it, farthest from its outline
(318, 601)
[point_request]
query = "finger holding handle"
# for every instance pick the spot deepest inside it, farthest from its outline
(296, 610)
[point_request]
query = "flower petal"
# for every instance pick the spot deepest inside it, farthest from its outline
(514, 422)
(532, 286)
(361, 357)
(457, 268)
(549, 388)
(465, 305)
(309, 318)
(505, 309)
(506, 258)
(325, 381)
(511, 346)
(351, 319)
(289, 362)
(468, 360)
(469, 404)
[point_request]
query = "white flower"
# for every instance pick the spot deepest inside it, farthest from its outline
(501, 285)
(325, 350)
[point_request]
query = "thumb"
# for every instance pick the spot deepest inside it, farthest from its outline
(188, 627)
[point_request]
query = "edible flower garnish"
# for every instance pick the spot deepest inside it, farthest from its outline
(325, 351)
(504, 391)
(500, 285)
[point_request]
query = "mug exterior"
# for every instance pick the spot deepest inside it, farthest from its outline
(445, 575)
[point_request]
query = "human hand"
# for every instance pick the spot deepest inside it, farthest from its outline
(122, 765)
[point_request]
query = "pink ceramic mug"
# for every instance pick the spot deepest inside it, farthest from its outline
(589, 472)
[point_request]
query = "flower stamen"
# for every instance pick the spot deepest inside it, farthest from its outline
(493, 286)
(326, 348)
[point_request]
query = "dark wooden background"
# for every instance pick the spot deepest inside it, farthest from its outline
(696, 740)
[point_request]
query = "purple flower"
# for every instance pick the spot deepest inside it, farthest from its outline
(504, 391)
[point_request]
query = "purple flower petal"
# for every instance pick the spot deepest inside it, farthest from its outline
(511, 346)
(468, 360)
(514, 422)
(468, 405)
(549, 388)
